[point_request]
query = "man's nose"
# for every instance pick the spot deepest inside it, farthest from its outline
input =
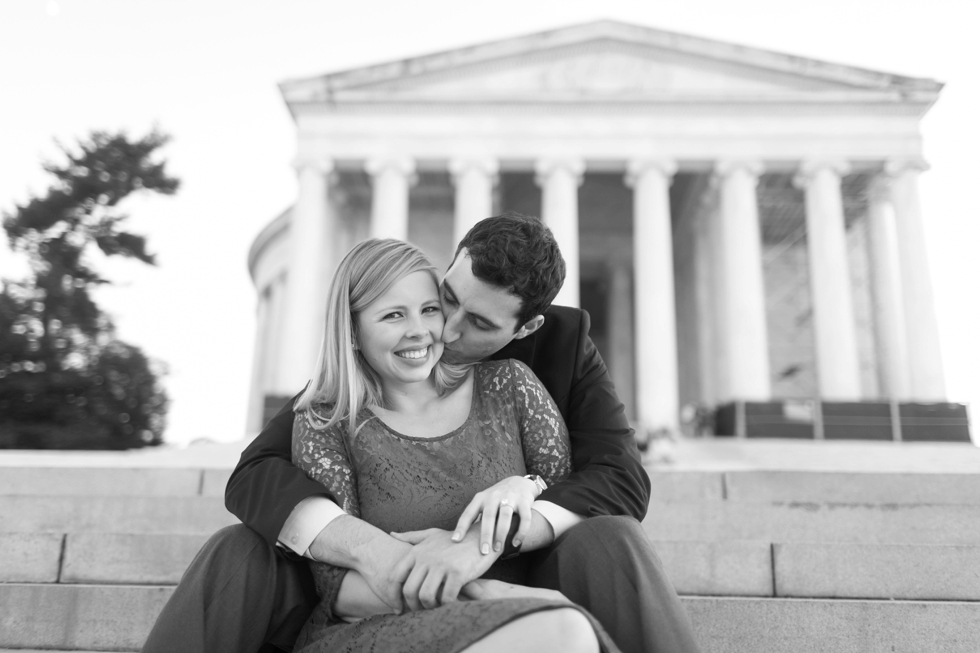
(450, 332)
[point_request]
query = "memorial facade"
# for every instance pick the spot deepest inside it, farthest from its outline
(741, 225)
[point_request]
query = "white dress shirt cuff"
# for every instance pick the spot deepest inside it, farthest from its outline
(560, 518)
(308, 518)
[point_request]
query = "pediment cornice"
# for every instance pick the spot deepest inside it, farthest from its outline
(605, 61)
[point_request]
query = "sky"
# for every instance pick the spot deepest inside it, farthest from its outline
(206, 72)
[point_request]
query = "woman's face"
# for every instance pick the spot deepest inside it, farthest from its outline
(400, 333)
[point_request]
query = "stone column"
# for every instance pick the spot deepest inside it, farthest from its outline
(654, 310)
(893, 362)
(559, 180)
(310, 228)
(712, 362)
(391, 177)
(921, 328)
(474, 179)
(275, 380)
(742, 322)
(620, 335)
(835, 335)
(256, 392)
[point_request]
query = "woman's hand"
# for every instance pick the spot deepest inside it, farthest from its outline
(497, 504)
(484, 589)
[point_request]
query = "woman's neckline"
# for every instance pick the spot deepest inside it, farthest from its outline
(474, 397)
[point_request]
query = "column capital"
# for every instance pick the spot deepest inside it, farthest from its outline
(898, 166)
(324, 165)
(544, 168)
(403, 165)
(725, 167)
(487, 165)
(638, 167)
(810, 167)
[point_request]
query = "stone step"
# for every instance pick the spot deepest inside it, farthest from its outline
(100, 514)
(726, 568)
(685, 485)
(702, 520)
(71, 617)
(820, 570)
(95, 481)
(106, 617)
(886, 571)
(814, 522)
(853, 487)
(126, 558)
(749, 625)
(816, 487)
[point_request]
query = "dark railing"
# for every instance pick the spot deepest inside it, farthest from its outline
(838, 420)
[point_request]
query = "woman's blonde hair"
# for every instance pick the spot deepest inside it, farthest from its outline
(342, 378)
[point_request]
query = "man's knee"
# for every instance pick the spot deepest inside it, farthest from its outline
(238, 539)
(233, 547)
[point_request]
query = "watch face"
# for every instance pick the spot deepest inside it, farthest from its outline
(537, 480)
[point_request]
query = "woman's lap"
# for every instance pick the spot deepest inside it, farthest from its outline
(448, 629)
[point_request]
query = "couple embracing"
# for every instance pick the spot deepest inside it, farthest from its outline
(459, 475)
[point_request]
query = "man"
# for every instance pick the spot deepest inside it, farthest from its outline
(250, 587)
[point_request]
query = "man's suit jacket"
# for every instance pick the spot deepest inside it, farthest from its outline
(607, 477)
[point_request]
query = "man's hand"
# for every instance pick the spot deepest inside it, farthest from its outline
(383, 561)
(440, 567)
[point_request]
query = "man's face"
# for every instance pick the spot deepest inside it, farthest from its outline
(480, 318)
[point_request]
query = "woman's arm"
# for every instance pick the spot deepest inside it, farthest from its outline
(483, 589)
(357, 600)
(347, 542)
(544, 435)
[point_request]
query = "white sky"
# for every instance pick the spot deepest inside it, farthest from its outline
(206, 73)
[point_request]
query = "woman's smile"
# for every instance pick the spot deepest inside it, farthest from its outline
(414, 354)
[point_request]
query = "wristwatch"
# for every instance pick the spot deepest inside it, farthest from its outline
(538, 483)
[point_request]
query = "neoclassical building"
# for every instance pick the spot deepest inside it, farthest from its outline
(741, 225)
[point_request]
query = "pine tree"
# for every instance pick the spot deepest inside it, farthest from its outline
(66, 381)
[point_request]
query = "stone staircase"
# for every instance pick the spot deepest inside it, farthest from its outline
(767, 560)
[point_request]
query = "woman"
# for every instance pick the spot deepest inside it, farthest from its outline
(404, 441)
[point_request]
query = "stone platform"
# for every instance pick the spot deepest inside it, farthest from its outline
(774, 545)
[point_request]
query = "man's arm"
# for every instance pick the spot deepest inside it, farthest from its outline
(266, 486)
(607, 476)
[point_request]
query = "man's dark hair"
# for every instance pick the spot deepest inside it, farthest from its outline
(518, 253)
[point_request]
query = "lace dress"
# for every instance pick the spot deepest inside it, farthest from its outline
(402, 483)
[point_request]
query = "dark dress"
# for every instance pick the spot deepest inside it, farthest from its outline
(402, 483)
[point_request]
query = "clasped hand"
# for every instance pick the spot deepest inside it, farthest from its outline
(437, 567)
(440, 563)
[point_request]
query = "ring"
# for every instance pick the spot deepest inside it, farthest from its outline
(504, 502)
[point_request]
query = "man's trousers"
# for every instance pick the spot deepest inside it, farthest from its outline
(242, 595)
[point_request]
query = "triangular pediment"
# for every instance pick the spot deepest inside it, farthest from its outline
(602, 61)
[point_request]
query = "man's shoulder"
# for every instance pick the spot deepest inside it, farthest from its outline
(563, 320)
(554, 346)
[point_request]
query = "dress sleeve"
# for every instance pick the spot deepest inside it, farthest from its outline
(544, 436)
(322, 454)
